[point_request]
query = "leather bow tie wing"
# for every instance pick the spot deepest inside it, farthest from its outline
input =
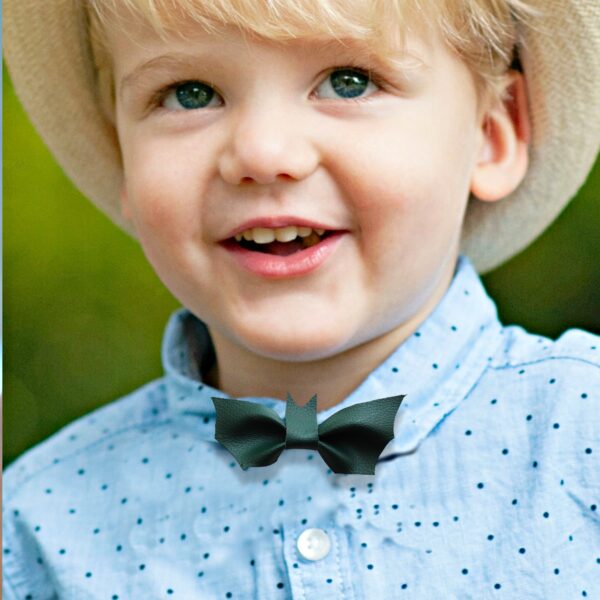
(351, 440)
(254, 434)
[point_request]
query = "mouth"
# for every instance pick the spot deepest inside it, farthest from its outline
(284, 252)
(282, 242)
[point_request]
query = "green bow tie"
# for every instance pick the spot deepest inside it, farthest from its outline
(349, 441)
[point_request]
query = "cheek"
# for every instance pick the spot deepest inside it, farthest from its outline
(408, 187)
(163, 192)
(392, 185)
(412, 169)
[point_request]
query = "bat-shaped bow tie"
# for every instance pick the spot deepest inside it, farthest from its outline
(349, 441)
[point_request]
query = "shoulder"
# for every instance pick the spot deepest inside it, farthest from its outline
(558, 380)
(548, 391)
(144, 405)
(549, 385)
(574, 349)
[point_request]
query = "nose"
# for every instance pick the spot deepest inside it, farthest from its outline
(267, 144)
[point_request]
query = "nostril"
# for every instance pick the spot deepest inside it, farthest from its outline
(282, 176)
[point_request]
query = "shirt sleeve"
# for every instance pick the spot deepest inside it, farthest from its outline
(581, 412)
(24, 575)
(577, 457)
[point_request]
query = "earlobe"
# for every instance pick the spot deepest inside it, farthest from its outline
(503, 160)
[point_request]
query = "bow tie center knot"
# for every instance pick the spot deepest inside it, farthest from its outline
(301, 424)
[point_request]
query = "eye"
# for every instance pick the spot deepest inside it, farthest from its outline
(346, 83)
(190, 95)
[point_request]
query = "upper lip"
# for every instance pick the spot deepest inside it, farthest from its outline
(276, 222)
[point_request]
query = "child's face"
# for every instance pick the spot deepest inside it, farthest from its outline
(391, 168)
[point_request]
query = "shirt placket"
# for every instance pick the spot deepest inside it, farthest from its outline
(317, 561)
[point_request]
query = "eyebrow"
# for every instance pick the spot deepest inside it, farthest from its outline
(351, 45)
(157, 64)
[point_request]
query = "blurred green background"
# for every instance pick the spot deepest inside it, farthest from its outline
(84, 313)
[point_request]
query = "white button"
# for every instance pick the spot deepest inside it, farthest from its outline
(313, 544)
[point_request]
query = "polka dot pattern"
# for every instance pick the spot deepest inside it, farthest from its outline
(492, 464)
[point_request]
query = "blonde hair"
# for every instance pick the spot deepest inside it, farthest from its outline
(484, 33)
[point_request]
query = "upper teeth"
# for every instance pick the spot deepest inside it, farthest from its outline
(263, 235)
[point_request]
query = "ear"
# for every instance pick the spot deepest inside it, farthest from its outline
(503, 160)
(125, 207)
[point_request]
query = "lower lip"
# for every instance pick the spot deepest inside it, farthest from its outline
(279, 267)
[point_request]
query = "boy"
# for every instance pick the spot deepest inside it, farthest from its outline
(299, 174)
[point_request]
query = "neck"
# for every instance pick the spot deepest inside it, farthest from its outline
(332, 379)
(240, 373)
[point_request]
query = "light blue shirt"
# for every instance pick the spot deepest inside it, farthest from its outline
(489, 489)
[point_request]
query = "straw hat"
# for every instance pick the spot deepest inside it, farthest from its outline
(47, 49)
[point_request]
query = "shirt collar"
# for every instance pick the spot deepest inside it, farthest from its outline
(435, 367)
